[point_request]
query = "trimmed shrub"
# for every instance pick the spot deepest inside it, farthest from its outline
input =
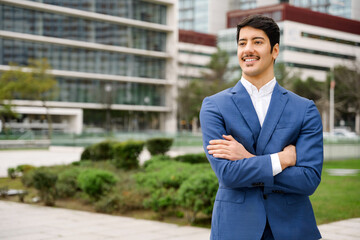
(24, 168)
(96, 183)
(164, 174)
(198, 192)
(103, 150)
(67, 185)
(86, 154)
(156, 160)
(159, 146)
(44, 181)
(126, 154)
(108, 204)
(192, 158)
(11, 173)
(27, 178)
(161, 200)
(99, 152)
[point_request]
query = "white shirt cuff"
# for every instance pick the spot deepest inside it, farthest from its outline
(275, 162)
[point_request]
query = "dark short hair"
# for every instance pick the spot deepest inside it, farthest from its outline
(268, 25)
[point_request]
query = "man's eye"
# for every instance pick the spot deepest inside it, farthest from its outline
(241, 43)
(258, 42)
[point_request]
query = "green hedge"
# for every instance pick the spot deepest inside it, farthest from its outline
(44, 181)
(99, 151)
(96, 183)
(67, 184)
(192, 158)
(126, 154)
(159, 146)
(197, 193)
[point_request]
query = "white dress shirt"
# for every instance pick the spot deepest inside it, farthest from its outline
(261, 101)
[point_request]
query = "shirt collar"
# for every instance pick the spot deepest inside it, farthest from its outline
(263, 91)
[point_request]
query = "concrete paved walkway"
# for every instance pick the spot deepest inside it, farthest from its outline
(19, 221)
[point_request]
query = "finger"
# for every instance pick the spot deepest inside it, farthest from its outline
(225, 156)
(219, 141)
(228, 137)
(217, 146)
(219, 151)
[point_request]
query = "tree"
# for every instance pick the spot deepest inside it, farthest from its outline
(32, 83)
(347, 91)
(191, 96)
(9, 87)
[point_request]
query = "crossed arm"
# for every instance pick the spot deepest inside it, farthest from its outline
(230, 149)
(301, 172)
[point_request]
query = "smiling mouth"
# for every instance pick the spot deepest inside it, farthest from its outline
(250, 59)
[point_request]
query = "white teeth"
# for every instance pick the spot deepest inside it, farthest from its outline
(249, 60)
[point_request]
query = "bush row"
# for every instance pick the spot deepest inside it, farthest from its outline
(178, 185)
(52, 183)
(125, 154)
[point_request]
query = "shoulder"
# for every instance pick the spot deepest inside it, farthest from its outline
(220, 96)
(295, 98)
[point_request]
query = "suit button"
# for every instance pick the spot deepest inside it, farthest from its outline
(265, 196)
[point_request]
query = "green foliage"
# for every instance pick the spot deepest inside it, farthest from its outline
(164, 174)
(192, 158)
(99, 151)
(67, 184)
(27, 178)
(191, 95)
(108, 204)
(11, 173)
(161, 199)
(198, 192)
(126, 154)
(96, 183)
(44, 181)
(158, 146)
(24, 168)
(156, 159)
(36, 84)
(87, 153)
(103, 150)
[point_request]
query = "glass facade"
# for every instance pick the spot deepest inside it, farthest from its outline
(84, 57)
(133, 9)
(109, 92)
(341, 8)
(194, 15)
(81, 59)
(61, 26)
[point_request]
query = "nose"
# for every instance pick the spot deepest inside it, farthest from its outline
(249, 48)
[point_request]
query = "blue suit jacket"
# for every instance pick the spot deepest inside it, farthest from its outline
(248, 192)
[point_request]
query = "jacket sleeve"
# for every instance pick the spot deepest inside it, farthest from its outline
(248, 172)
(305, 176)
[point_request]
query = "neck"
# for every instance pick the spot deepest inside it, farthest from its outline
(259, 82)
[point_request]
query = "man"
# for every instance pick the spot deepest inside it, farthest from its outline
(265, 145)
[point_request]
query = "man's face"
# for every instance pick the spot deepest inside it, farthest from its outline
(255, 58)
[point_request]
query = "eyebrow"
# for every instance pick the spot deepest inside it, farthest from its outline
(254, 38)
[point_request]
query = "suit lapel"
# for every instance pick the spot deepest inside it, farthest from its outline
(278, 101)
(243, 102)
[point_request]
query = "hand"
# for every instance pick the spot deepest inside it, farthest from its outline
(229, 149)
(287, 157)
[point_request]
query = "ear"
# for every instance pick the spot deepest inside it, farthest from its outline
(275, 51)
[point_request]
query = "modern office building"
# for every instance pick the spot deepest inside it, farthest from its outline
(110, 58)
(205, 16)
(311, 42)
(341, 8)
(195, 50)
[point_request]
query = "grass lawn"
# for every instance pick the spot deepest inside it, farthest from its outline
(337, 197)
